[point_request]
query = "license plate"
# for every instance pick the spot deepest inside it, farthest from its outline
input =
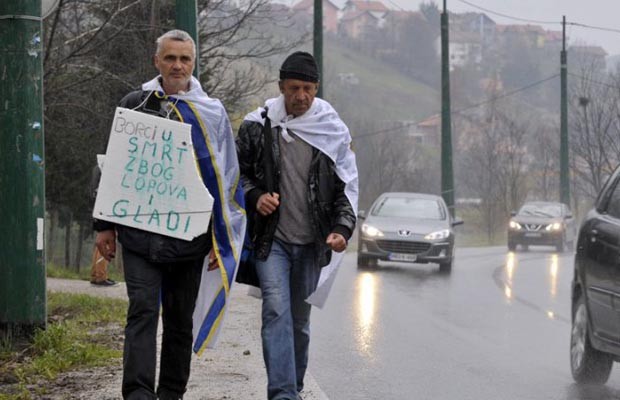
(403, 257)
(533, 234)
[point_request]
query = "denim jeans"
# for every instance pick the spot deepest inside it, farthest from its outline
(177, 284)
(288, 276)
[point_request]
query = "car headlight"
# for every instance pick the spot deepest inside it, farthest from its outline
(556, 226)
(514, 225)
(371, 231)
(442, 234)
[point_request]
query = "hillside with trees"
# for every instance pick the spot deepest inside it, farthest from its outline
(382, 76)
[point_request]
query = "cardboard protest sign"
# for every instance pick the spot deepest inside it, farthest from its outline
(150, 179)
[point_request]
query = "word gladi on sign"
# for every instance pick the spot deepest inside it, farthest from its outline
(150, 170)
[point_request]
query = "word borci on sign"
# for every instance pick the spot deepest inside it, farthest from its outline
(150, 178)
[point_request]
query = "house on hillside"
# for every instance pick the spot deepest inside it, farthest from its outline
(428, 131)
(553, 39)
(360, 14)
(472, 35)
(353, 24)
(401, 16)
(330, 13)
(475, 23)
(394, 19)
(465, 49)
(533, 36)
(377, 8)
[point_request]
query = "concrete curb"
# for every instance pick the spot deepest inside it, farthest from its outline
(232, 371)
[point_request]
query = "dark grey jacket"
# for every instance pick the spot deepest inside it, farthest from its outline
(152, 246)
(330, 210)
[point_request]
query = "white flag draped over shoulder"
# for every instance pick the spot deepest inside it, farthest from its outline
(216, 161)
(322, 128)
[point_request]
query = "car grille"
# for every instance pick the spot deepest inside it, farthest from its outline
(397, 246)
(533, 227)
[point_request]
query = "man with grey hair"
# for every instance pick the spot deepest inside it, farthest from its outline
(162, 271)
(177, 35)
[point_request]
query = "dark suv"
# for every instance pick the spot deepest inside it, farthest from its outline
(544, 223)
(595, 333)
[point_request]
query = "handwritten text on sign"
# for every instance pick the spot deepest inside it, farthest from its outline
(150, 178)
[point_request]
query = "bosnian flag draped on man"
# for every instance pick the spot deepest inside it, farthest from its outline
(216, 161)
(322, 128)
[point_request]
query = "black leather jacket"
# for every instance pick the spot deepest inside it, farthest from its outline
(330, 210)
(152, 246)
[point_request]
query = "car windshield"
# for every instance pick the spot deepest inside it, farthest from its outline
(541, 210)
(409, 207)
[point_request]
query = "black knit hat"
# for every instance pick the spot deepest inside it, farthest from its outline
(300, 65)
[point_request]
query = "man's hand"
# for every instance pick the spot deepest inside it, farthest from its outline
(213, 264)
(106, 243)
(336, 242)
(267, 203)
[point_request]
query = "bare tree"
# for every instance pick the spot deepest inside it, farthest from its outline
(594, 126)
(240, 44)
(97, 51)
(389, 159)
(494, 164)
(545, 163)
(513, 151)
(479, 163)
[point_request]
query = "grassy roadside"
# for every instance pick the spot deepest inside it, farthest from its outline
(57, 271)
(82, 332)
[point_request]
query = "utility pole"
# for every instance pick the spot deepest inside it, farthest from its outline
(447, 178)
(564, 168)
(22, 170)
(186, 11)
(318, 41)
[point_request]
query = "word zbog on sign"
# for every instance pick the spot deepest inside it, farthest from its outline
(150, 178)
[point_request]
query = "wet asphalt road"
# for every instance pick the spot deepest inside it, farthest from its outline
(497, 327)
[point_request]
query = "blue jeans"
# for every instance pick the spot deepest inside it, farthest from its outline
(288, 276)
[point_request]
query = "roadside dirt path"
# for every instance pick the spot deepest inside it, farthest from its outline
(232, 371)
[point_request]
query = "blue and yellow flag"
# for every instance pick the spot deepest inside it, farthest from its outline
(216, 161)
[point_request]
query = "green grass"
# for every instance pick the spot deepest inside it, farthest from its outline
(82, 308)
(58, 271)
(477, 239)
(82, 332)
(473, 232)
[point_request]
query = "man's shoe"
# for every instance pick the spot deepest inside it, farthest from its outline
(107, 282)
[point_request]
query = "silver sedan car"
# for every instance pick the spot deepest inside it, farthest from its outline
(407, 227)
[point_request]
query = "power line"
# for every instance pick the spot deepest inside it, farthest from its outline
(461, 110)
(579, 24)
(396, 5)
(508, 16)
(368, 134)
(585, 78)
(507, 94)
(593, 27)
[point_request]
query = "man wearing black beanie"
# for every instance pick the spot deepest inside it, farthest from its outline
(300, 65)
(300, 182)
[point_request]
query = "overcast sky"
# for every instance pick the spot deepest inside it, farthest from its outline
(601, 13)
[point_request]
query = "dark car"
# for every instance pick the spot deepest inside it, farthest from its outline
(407, 227)
(595, 333)
(542, 223)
